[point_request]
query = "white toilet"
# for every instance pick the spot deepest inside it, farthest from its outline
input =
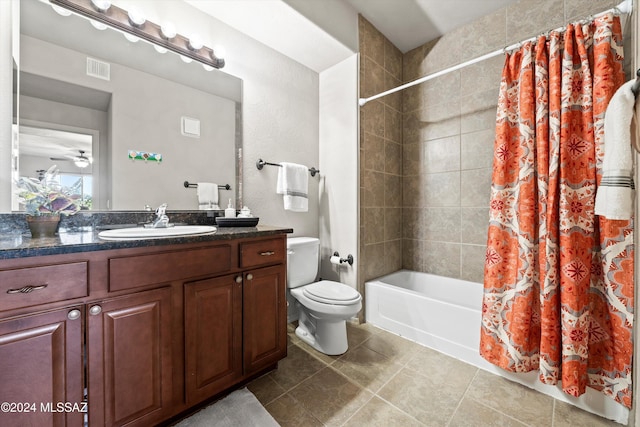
(323, 307)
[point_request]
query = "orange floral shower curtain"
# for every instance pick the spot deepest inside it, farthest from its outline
(558, 279)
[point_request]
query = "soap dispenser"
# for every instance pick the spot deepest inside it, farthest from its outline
(230, 212)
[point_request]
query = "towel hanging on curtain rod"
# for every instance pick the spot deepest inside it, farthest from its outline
(626, 7)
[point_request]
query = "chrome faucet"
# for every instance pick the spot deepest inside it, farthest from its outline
(162, 220)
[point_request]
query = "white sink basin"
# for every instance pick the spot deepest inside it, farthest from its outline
(155, 233)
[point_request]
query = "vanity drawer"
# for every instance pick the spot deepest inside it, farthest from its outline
(143, 270)
(24, 287)
(262, 252)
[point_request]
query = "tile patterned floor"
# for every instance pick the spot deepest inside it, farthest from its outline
(385, 380)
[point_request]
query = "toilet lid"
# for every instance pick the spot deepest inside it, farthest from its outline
(329, 292)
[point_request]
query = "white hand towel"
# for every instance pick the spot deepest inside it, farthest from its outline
(614, 197)
(207, 196)
(293, 184)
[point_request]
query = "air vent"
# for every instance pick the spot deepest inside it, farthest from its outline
(98, 69)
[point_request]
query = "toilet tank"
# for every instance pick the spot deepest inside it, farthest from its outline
(303, 257)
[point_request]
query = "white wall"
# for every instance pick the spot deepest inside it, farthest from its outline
(339, 152)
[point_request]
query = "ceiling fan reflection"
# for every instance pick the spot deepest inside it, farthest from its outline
(80, 161)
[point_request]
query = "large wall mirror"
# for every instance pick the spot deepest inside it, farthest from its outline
(129, 122)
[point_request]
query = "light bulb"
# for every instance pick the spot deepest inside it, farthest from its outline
(195, 43)
(168, 30)
(208, 67)
(186, 59)
(136, 17)
(159, 48)
(219, 51)
(61, 10)
(101, 5)
(98, 25)
(131, 38)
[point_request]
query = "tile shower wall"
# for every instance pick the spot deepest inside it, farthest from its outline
(448, 132)
(380, 156)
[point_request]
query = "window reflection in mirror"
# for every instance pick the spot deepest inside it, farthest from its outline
(70, 151)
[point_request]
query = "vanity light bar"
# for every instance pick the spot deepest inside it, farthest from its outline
(119, 19)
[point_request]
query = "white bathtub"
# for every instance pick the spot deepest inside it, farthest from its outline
(445, 314)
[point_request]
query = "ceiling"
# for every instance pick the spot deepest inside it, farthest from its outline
(411, 23)
(281, 24)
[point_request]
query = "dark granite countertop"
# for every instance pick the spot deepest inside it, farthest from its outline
(83, 239)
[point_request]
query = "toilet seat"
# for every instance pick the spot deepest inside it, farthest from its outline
(329, 292)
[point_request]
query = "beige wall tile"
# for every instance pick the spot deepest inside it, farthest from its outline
(412, 99)
(372, 42)
(373, 225)
(441, 189)
(373, 119)
(441, 90)
(441, 258)
(476, 187)
(374, 258)
(476, 149)
(373, 189)
(413, 223)
(393, 100)
(412, 250)
(579, 9)
(474, 225)
(441, 224)
(412, 159)
(393, 223)
(482, 76)
(374, 155)
(392, 191)
(412, 191)
(483, 35)
(472, 262)
(374, 81)
(529, 18)
(392, 256)
(442, 155)
(392, 59)
(393, 125)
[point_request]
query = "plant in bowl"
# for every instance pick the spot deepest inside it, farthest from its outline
(45, 200)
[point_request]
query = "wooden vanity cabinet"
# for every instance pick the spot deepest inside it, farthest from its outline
(129, 355)
(265, 318)
(145, 333)
(40, 365)
(213, 336)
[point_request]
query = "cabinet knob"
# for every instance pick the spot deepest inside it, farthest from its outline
(95, 310)
(249, 276)
(238, 279)
(74, 314)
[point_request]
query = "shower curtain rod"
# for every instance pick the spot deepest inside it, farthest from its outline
(626, 7)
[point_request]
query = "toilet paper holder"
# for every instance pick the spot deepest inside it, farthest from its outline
(348, 259)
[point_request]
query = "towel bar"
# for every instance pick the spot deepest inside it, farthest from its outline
(188, 184)
(260, 164)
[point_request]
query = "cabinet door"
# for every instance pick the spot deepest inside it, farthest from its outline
(265, 317)
(213, 336)
(40, 368)
(129, 348)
